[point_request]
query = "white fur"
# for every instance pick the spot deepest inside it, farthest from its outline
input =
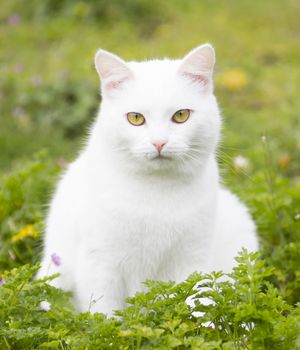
(121, 214)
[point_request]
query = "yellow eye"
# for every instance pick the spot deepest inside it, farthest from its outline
(181, 116)
(136, 119)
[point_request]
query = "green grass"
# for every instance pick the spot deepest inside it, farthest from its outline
(49, 95)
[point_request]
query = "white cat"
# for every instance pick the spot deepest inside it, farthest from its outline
(144, 200)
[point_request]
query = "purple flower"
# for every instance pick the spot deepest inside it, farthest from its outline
(1, 282)
(56, 259)
(14, 20)
(18, 67)
(36, 80)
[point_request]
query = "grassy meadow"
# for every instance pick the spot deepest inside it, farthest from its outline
(49, 95)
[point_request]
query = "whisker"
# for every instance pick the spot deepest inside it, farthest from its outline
(117, 149)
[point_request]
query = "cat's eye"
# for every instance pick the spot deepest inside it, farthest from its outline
(181, 116)
(136, 119)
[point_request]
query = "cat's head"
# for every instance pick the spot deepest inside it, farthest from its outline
(159, 115)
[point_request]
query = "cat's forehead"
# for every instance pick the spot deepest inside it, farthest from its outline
(154, 80)
(164, 69)
(156, 84)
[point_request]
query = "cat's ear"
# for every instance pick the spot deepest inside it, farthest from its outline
(198, 65)
(112, 70)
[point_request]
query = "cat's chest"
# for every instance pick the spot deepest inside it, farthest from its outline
(143, 215)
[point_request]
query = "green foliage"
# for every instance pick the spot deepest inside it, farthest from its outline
(23, 196)
(276, 207)
(244, 312)
(58, 112)
(148, 15)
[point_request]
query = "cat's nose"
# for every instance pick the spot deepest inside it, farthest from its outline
(159, 145)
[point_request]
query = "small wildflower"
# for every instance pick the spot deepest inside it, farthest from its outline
(284, 160)
(297, 216)
(14, 20)
(264, 138)
(240, 163)
(234, 79)
(56, 259)
(45, 305)
(27, 231)
(1, 281)
(19, 67)
(36, 80)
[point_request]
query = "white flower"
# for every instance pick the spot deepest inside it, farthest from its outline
(240, 163)
(45, 305)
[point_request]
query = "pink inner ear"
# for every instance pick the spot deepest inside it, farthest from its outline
(198, 78)
(114, 84)
(105, 73)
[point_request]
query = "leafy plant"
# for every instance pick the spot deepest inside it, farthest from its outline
(23, 197)
(244, 312)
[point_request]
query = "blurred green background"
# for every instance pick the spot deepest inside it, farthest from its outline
(49, 90)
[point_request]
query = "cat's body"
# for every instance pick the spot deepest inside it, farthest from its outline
(144, 201)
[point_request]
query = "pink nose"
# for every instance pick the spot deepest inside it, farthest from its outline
(159, 145)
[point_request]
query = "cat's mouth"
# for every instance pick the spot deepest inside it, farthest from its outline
(159, 157)
(162, 157)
